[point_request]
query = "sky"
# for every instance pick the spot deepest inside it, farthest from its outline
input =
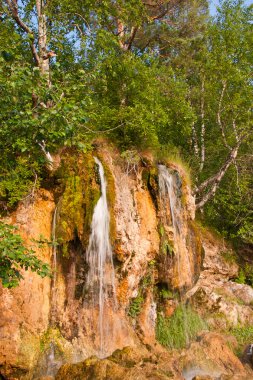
(214, 3)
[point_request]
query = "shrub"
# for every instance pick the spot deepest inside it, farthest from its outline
(243, 335)
(14, 255)
(135, 306)
(179, 329)
(241, 279)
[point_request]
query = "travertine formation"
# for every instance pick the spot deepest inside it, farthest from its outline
(46, 322)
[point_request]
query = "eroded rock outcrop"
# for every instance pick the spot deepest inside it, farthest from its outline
(25, 311)
(47, 323)
(126, 364)
(211, 356)
(223, 302)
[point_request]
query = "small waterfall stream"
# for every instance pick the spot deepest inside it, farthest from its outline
(54, 256)
(170, 199)
(100, 285)
(54, 247)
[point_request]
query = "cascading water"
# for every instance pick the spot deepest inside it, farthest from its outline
(54, 247)
(54, 254)
(171, 205)
(50, 362)
(170, 199)
(100, 284)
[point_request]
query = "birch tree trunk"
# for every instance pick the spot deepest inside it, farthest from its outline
(203, 128)
(42, 40)
(215, 180)
(40, 54)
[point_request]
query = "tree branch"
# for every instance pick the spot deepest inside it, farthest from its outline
(49, 158)
(13, 8)
(132, 37)
(215, 180)
(195, 140)
(224, 85)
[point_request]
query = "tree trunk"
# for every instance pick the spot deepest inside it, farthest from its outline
(42, 40)
(203, 128)
(215, 180)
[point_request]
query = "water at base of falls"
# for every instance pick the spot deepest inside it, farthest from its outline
(100, 284)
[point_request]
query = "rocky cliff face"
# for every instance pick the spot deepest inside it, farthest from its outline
(220, 300)
(25, 311)
(49, 322)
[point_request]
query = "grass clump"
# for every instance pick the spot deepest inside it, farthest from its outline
(243, 335)
(136, 306)
(179, 329)
(229, 256)
(171, 156)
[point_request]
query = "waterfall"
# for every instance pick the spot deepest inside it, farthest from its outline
(100, 284)
(54, 247)
(170, 199)
(168, 192)
(54, 255)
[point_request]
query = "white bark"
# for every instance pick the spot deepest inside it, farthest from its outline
(215, 180)
(195, 140)
(49, 158)
(203, 128)
(42, 39)
(224, 85)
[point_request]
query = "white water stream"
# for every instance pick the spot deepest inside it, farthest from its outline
(54, 254)
(170, 199)
(101, 278)
(171, 205)
(54, 248)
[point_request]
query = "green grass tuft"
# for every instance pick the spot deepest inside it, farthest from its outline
(179, 329)
(243, 335)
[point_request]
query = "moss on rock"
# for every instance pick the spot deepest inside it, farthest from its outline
(81, 191)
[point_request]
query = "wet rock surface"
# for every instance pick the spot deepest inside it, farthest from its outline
(126, 364)
(44, 325)
(25, 310)
(211, 356)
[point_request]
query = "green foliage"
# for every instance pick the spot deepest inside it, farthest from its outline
(153, 85)
(18, 181)
(53, 336)
(181, 328)
(132, 159)
(166, 294)
(244, 336)
(14, 255)
(229, 256)
(241, 279)
(231, 210)
(135, 306)
(227, 69)
(80, 194)
(245, 275)
(137, 302)
(166, 247)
